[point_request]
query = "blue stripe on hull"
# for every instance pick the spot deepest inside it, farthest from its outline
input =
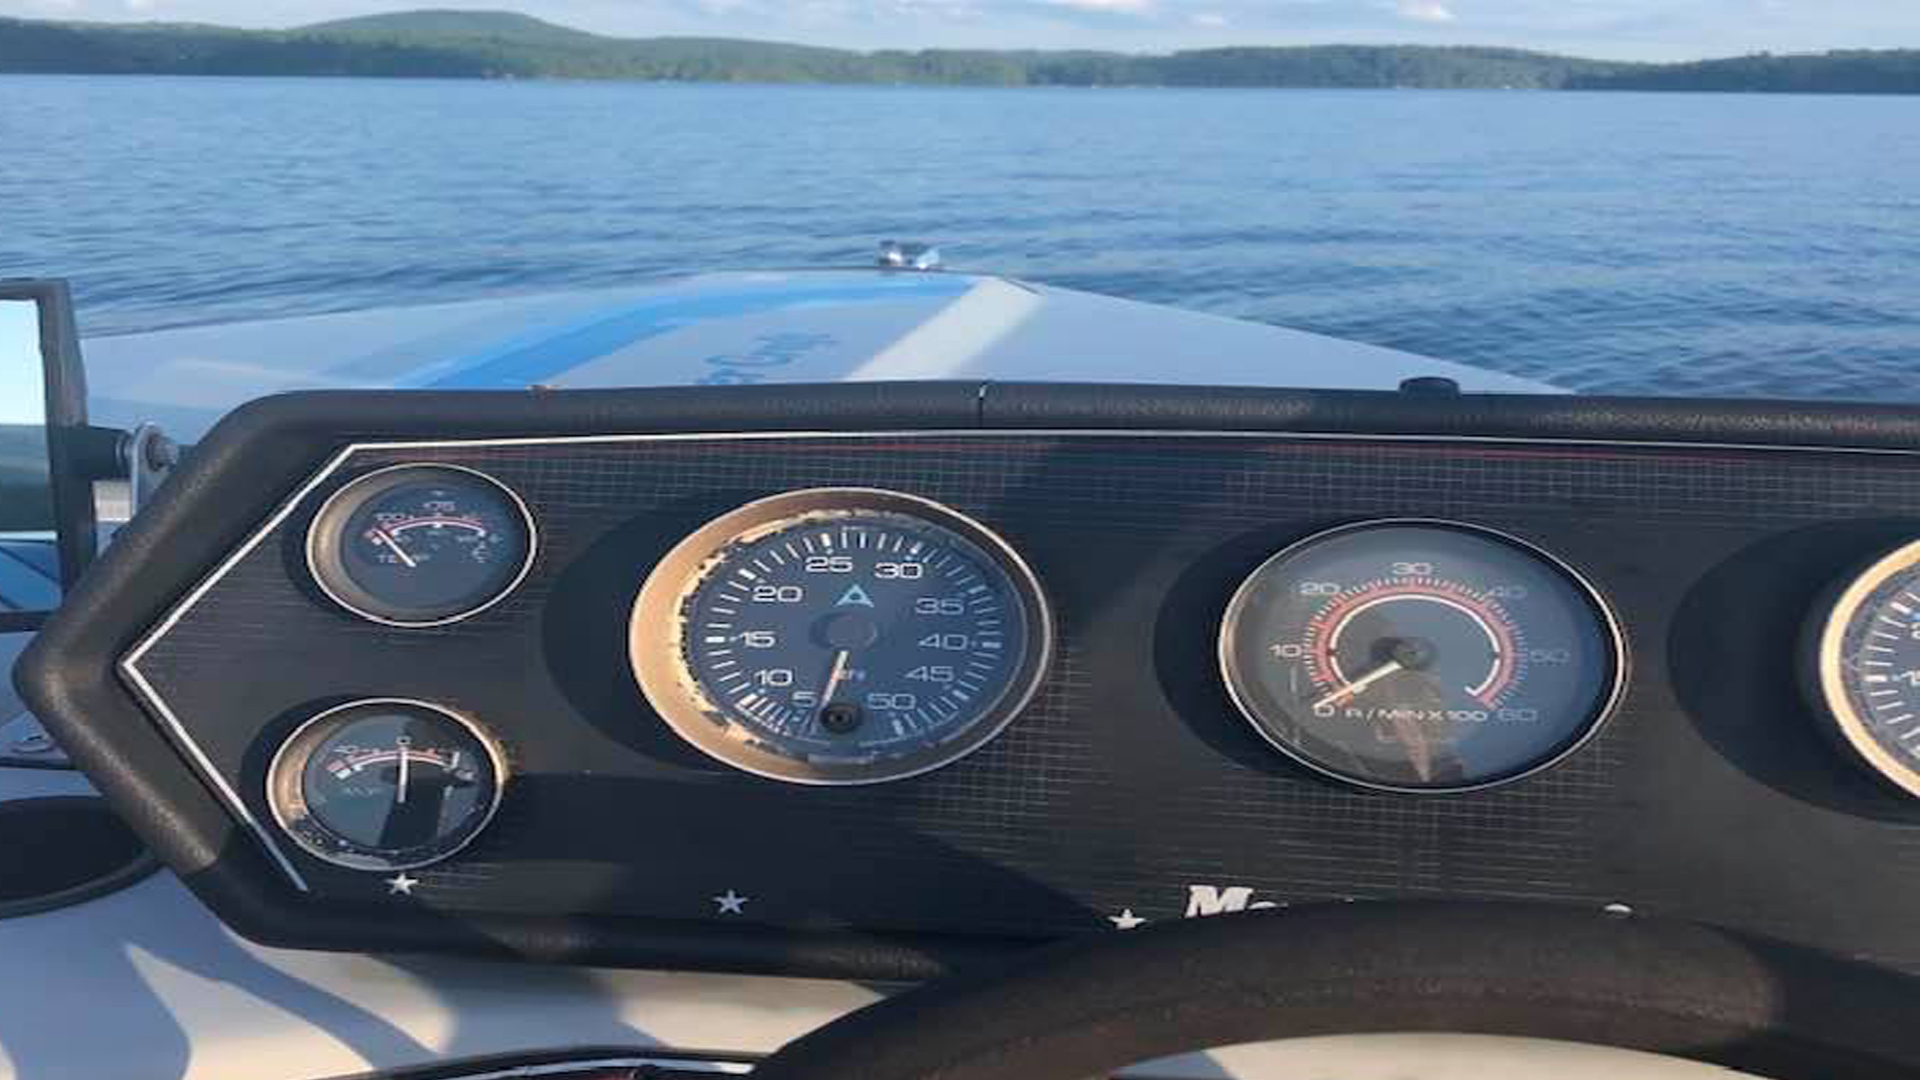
(526, 359)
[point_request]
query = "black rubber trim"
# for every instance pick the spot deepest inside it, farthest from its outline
(261, 452)
(1101, 1004)
(1512, 416)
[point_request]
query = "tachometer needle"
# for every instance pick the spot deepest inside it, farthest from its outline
(400, 796)
(385, 537)
(838, 674)
(1359, 685)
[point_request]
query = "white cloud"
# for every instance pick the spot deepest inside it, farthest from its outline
(1212, 20)
(1426, 11)
(1128, 7)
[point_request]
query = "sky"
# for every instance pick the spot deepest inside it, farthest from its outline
(1613, 29)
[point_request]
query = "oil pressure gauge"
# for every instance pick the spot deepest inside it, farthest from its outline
(1420, 656)
(385, 784)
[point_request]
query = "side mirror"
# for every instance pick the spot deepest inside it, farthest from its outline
(46, 496)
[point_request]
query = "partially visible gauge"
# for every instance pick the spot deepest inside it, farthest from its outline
(1420, 656)
(420, 545)
(1866, 662)
(840, 636)
(385, 784)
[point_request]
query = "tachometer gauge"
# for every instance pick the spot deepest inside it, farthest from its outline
(1866, 645)
(385, 784)
(1420, 656)
(840, 636)
(420, 545)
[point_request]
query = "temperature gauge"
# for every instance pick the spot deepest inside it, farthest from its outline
(420, 545)
(385, 784)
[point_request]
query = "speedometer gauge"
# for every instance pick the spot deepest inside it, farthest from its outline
(840, 636)
(1867, 665)
(1420, 656)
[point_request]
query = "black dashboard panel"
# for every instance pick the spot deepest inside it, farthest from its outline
(1129, 789)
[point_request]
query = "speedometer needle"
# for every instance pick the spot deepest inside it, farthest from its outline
(1359, 685)
(385, 537)
(838, 674)
(400, 796)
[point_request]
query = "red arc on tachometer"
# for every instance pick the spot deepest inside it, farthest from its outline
(1325, 628)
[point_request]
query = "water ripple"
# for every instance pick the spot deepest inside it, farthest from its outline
(1717, 244)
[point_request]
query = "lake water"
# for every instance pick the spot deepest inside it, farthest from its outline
(1611, 243)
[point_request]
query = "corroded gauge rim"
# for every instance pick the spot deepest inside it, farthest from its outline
(1612, 634)
(656, 635)
(286, 796)
(1829, 663)
(326, 557)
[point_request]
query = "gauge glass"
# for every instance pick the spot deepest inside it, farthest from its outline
(420, 545)
(1868, 664)
(385, 784)
(840, 636)
(1420, 656)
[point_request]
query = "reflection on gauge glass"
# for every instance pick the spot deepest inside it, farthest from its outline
(840, 636)
(420, 545)
(385, 784)
(1420, 656)
(1867, 660)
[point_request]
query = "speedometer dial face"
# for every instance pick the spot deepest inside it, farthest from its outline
(420, 545)
(1420, 656)
(1868, 664)
(840, 636)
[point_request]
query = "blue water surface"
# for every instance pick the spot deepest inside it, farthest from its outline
(1721, 244)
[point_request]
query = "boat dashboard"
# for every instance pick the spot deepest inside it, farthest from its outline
(876, 680)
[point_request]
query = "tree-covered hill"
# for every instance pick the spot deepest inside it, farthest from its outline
(1880, 71)
(463, 44)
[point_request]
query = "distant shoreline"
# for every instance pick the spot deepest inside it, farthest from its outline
(745, 84)
(504, 46)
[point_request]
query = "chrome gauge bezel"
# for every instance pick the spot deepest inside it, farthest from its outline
(1612, 632)
(657, 644)
(1842, 604)
(325, 551)
(287, 801)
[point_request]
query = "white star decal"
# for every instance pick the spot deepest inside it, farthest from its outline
(732, 903)
(1126, 920)
(401, 884)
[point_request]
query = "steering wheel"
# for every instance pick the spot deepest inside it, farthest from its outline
(1095, 1005)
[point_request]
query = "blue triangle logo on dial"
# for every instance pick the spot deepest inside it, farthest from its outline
(855, 596)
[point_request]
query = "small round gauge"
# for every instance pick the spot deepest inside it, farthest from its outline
(1866, 646)
(840, 636)
(420, 545)
(385, 784)
(1420, 656)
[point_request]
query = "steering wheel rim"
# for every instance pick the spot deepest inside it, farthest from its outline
(1095, 1005)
